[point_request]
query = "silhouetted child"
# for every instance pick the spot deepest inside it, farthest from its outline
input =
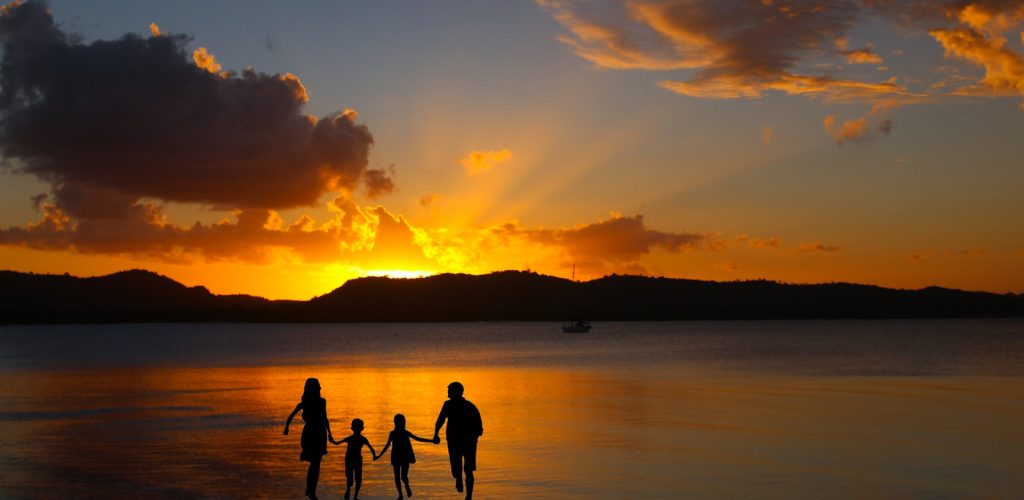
(315, 432)
(401, 453)
(354, 457)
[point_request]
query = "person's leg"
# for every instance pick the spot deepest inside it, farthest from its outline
(359, 480)
(397, 478)
(348, 481)
(312, 477)
(470, 466)
(405, 479)
(455, 457)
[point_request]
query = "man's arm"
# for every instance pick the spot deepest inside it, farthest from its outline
(478, 422)
(441, 417)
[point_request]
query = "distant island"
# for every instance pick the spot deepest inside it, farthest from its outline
(144, 296)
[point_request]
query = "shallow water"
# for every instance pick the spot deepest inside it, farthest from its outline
(805, 409)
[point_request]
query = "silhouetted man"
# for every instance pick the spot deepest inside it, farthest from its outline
(464, 428)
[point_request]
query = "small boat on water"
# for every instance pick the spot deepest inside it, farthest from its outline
(576, 327)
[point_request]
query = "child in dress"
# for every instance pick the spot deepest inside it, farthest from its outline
(354, 457)
(401, 453)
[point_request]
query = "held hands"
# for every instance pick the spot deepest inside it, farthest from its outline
(285, 431)
(437, 440)
(331, 439)
(375, 457)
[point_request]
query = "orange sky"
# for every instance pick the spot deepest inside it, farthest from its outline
(796, 141)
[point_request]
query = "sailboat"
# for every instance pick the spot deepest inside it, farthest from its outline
(577, 326)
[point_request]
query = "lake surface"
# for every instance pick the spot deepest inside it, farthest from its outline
(775, 409)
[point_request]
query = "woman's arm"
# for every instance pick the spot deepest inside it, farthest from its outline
(297, 409)
(385, 450)
(327, 423)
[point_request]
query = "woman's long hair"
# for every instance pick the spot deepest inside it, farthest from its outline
(311, 392)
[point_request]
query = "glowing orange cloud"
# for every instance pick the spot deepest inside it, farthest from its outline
(753, 86)
(482, 161)
(862, 56)
(292, 82)
(205, 60)
(850, 130)
(981, 41)
(760, 243)
(740, 53)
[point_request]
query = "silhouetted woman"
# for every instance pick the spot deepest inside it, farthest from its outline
(315, 432)
(401, 453)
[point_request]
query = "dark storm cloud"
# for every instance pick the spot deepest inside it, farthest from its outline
(378, 183)
(114, 121)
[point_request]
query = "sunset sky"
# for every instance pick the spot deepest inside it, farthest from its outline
(279, 149)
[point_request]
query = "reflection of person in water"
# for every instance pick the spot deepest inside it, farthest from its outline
(354, 457)
(401, 453)
(464, 428)
(315, 431)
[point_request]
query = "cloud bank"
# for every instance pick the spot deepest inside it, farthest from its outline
(745, 49)
(736, 49)
(139, 117)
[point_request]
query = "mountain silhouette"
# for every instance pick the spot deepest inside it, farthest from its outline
(126, 296)
(143, 296)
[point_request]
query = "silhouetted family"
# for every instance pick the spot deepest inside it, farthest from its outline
(463, 429)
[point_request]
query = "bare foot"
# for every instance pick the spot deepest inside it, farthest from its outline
(458, 485)
(408, 490)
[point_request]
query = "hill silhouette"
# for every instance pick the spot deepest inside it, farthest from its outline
(126, 296)
(143, 296)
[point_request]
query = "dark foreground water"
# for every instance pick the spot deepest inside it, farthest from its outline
(808, 409)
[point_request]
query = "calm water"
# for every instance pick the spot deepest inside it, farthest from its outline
(811, 409)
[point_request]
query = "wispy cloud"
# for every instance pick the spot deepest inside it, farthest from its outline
(481, 161)
(715, 49)
(816, 247)
(759, 243)
(966, 252)
(738, 49)
(429, 199)
(980, 38)
(862, 56)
